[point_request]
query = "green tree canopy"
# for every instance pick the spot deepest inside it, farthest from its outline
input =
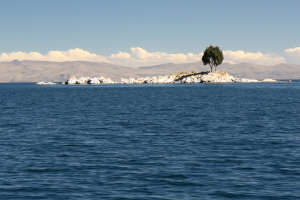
(212, 56)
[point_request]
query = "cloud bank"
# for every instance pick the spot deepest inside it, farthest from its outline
(255, 58)
(294, 54)
(140, 57)
(55, 56)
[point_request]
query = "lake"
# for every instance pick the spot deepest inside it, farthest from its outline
(140, 142)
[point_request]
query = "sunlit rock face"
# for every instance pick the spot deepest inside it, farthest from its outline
(83, 80)
(87, 80)
(45, 83)
(217, 77)
(184, 77)
(244, 80)
(269, 80)
(206, 77)
(94, 81)
(180, 77)
(72, 80)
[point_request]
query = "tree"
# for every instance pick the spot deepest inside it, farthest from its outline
(212, 56)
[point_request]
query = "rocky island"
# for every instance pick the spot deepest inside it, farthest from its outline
(179, 77)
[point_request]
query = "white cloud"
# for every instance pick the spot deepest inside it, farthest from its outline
(20, 56)
(120, 55)
(141, 57)
(294, 54)
(74, 55)
(56, 56)
(255, 58)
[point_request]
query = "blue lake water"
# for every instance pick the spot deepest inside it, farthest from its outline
(140, 142)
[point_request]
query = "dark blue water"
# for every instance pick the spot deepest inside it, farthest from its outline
(167, 142)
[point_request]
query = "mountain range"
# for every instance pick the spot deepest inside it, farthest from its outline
(34, 71)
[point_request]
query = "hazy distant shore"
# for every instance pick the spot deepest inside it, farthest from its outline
(35, 71)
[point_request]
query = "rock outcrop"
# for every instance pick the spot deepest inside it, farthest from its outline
(205, 77)
(184, 77)
(87, 80)
(45, 83)
(179, 77)
(244, 80)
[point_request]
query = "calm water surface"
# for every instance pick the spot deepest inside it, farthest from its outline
(140, 142)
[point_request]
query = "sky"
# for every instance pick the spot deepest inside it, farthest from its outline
(148, 32)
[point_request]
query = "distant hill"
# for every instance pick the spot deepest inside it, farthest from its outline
(33, 71)
(247, 70)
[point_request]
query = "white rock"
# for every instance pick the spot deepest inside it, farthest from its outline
(244, 80)
(83, 80)
(124, 81)
(72, 80)
(269, 80)
(200, 77)
(45, 83)
(95, 81)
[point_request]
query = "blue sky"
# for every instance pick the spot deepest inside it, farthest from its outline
(106, 27)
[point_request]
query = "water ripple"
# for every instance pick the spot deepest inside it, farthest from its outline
(173, 141)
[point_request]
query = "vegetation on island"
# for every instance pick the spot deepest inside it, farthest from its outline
(212, 56)
(182, 74)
